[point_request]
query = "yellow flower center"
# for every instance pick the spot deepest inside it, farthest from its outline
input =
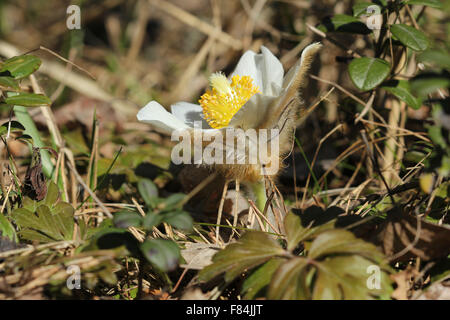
(222, 102)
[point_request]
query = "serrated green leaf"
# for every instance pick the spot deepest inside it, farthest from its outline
(401, 89)
(28, 100)
(285, 284)
(21, 66)
(9, 83)
(339, 241)
(25, 218)
(368, 73)
(126, 218)
(356, 277)
(410, 37)
(29, 204)
(164, 254)
(148, 191)
(6, 229)
(260, 278)
(430, 3)
(43, 225)
(252, 249)
(52, 194)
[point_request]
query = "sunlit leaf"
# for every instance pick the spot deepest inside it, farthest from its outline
(21, 66)
(401, 89)
(28, 100)
(9, 83)
(260, 278)
(367, 73)
(410, 36)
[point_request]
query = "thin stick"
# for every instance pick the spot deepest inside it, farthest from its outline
(222, 202)
(92, 194)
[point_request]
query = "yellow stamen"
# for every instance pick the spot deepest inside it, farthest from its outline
(222, 102)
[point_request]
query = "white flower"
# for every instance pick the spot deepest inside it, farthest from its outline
(256, 93)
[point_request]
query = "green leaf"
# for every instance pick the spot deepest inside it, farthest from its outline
(360, 8)
(44, 225)
(344, 23)
(439, 58)
(151, 220)
(287, 281)
(253, 248)
(52, 194)
(430, 3)
(28, 100)
(126, 218)
(425, 84)
(260, 278)
(9, 83)
(349, 278)
(6, 228)
(410, 37)
(164, 254)
(401, 89)
(339, 241)
(295, 232)
(21, 66)
(337, 266)
(367, 73)
(148, 191)
(179, 219)
(173, 201)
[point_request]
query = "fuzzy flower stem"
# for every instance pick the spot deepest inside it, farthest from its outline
(259, 189)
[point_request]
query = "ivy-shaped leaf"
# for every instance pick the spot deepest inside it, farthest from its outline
(367, 73)
(164, 254)
(127, 218)
(148, 191)
(401, 89)
(410, 36)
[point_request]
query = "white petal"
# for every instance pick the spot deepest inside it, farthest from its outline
(155, 114)
(253, 112)
(190, 113)
(264, 68)
(306, 54)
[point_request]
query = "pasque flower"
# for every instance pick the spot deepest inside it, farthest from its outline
(257, 95)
